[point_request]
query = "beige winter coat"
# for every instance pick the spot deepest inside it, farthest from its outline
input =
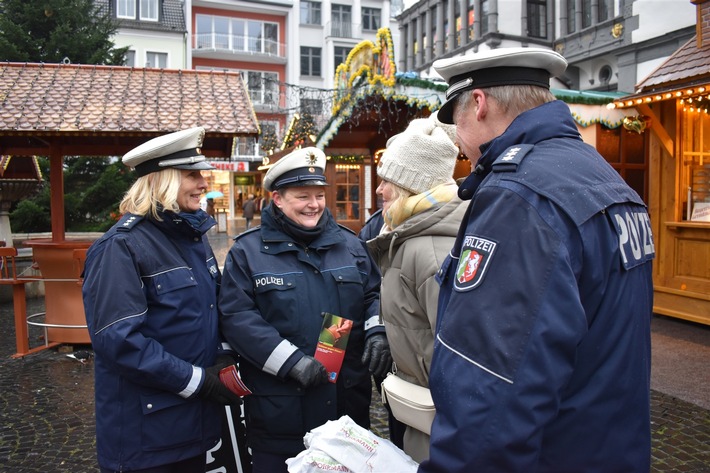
(409, 257)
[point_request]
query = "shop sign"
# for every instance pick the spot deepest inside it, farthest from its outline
(233, 166)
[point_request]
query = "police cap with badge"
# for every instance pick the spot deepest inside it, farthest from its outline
(497, 67)
(302, 167)
(180, 150)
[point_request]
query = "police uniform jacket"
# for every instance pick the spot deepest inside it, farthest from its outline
(150, 297)
(274, 294)
(542, 355)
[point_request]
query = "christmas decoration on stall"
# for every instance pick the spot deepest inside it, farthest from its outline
(369, 91)
(268, 141)
(301, 131)
(636, 123)
(367, 64)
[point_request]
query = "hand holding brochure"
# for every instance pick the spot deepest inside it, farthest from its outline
(332, 341)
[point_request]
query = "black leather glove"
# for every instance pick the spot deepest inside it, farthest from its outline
(309, 372)
(213, 389)
(377, 356)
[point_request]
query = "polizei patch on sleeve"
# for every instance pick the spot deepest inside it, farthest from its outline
(476, 255)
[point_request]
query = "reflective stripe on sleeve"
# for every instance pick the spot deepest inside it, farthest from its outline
(191, 387)
(279, 356)
(373, 322)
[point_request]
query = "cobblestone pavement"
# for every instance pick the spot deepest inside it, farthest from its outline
(47, 410)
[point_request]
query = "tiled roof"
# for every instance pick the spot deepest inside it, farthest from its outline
(60, 100)
(689, 65)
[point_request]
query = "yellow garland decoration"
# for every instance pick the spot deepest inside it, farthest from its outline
(373, 62)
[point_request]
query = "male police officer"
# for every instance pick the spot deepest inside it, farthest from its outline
(542, 356)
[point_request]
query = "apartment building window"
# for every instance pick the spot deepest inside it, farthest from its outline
(371, 19)
(310, 61)
(130, 58)
(126, 9)
(603, 12)
(263, 87)
(245, 146)
(312, 107)
(571, 12)
(537, 18)
(236, 34)
(586, 13)
(156, 60)
(149, 10)
(471, 18)
(457, 18)
(484, 17)
(341, 21)
(310, 13)
(340, 54)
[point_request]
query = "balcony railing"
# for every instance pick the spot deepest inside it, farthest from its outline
(343, 29)
(239, 44)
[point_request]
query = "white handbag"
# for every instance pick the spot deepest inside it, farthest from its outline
(410, 403)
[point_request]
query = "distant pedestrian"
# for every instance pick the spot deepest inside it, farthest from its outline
(210, 208)
(249, 208)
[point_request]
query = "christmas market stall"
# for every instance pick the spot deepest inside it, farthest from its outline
(675, 101)
(372, 103)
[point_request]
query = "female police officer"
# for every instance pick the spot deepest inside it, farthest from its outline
(279, 281)
(150, 294)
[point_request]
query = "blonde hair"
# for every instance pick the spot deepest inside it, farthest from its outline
(153, 191)
(396, 211)
(512, 99)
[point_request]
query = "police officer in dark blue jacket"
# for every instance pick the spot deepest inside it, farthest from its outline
(542, 355)
(281, 280)
(150, 297)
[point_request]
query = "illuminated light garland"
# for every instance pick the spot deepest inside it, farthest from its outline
(342, 159)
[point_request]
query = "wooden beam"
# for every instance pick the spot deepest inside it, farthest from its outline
(56, 188)
(658, 129)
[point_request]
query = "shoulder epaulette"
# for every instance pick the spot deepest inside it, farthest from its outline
(343, 227)
(510, 159)
(374, 215)
(246, 232)
(127, 222)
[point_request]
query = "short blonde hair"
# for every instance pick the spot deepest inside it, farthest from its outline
(395, 213)
(153, 191)
(512, 99)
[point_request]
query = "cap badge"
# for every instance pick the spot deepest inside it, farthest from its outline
(311, 170)
(311, 158)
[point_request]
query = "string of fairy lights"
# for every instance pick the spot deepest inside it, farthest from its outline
(311, 110)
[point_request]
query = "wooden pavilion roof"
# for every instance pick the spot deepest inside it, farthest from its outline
(108, 110)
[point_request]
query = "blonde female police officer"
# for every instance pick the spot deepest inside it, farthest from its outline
(150, 297)
(279, 281)
(542, 357)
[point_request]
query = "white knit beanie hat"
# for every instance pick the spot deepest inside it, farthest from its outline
(420, 158)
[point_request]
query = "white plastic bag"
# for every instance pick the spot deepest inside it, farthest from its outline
(355, 448)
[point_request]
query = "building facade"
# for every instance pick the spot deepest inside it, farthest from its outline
(610, 44)
(155, 32)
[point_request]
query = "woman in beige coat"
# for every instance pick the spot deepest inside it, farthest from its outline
(422, 214)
